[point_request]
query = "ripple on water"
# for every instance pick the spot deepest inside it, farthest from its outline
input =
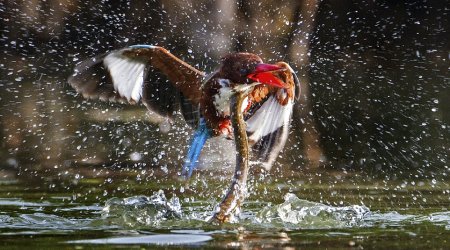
(21, 203)
(396, 220)
(158, 239)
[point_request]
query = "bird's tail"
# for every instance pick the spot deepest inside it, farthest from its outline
(198, 141)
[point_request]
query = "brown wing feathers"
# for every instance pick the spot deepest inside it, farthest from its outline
(186, 78)
(122, 76)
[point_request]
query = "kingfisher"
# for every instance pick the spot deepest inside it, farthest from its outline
(125, 75)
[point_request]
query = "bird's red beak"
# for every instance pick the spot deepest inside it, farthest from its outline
(262, 74)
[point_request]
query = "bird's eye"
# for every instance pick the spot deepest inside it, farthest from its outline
(243, 71)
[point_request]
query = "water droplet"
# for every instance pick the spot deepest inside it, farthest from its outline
(135, 156)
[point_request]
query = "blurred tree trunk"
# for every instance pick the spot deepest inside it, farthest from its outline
(243, 26)
(297, 51)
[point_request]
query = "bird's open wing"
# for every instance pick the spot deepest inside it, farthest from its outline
(128, 75)
(269, 120)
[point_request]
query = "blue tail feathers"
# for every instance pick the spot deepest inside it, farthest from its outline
(198, 141)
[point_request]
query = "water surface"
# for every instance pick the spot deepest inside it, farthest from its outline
(94, 212)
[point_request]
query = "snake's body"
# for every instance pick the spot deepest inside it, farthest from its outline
(231, 204)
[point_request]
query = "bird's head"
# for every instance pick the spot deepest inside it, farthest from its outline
(248, 69)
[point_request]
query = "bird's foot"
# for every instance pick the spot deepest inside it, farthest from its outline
(225, 214)
(226, 128)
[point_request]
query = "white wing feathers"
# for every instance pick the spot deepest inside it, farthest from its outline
(268, 130)
(268, 118)
(127, 75)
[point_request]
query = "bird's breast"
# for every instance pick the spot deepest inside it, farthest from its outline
(222, 99)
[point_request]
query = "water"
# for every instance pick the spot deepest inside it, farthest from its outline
(142, 210)
(299, 215)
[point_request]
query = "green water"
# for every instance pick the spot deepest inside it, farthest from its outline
(61, 209)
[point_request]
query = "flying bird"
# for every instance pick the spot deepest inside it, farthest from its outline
(124, 75)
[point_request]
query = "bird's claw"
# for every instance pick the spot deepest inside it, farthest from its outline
(226, 128)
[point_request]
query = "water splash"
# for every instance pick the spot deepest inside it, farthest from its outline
(142, 210)
(159, 212)
(295, 212)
